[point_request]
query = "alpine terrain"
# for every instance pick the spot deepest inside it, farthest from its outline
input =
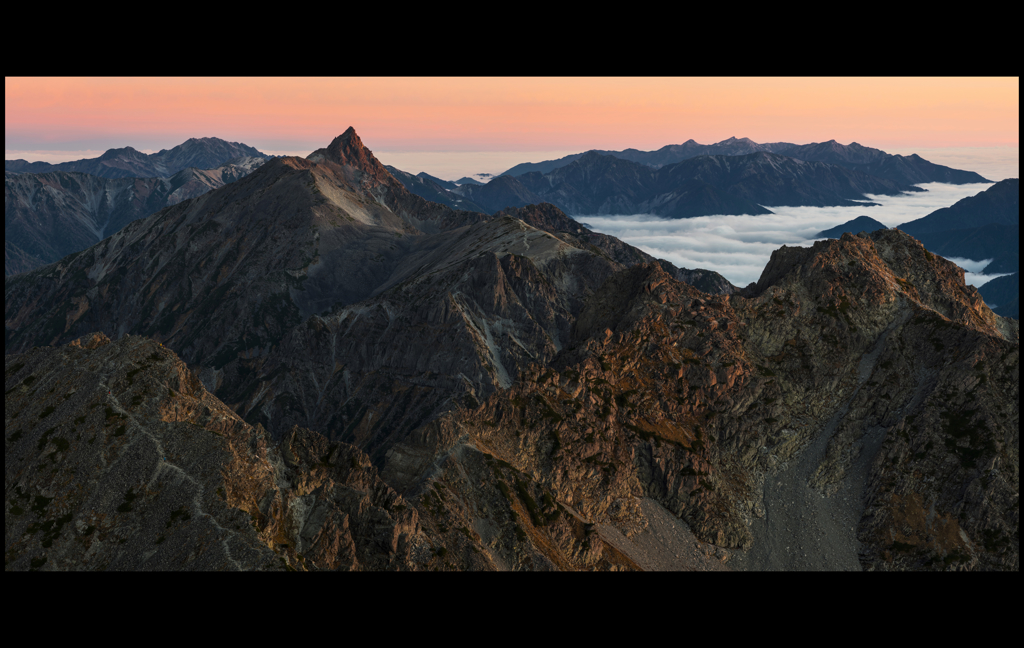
(315, 368)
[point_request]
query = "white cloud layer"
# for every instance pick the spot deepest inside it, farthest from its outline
(740, 246)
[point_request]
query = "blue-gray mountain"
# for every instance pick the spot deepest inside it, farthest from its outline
(906, 170)
(700, 186)
(983, 226)
(855, 226)
(199, 153)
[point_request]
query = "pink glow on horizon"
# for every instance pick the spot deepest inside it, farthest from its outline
(509, 114)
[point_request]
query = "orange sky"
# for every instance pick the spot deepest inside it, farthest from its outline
(508, 114)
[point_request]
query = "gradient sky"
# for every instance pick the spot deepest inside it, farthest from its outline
(507, 114)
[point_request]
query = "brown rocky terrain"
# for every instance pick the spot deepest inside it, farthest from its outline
(117, 458)
(534, 395)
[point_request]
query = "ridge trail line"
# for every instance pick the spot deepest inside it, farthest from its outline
(161, 462)
(802, 530)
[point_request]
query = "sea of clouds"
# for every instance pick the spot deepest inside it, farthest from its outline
(739, 247)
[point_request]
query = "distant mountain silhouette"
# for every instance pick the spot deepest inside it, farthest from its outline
(1004, 293)
(855, 226)
(712, 184)
(906, 170)
(998, 204)
(199, 153)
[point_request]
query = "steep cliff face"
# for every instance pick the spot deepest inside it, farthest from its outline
(117, 458)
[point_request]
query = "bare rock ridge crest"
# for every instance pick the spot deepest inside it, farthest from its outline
(316, 369)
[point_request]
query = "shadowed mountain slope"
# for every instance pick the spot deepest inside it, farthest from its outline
(428, 188)
(1004, 294)
(999, 204)
(50, 215)
(705, 185)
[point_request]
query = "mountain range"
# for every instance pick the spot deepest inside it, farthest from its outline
(198, 153)
(904, 170)
(602, 184)
(314, 368)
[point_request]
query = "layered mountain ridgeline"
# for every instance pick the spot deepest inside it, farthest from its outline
(199, 153)
(48, 216)
(706, 185)
(543, 406)
(855, 226)
(430, 188)
(1003, 295)
(904, 170)
(117, 458)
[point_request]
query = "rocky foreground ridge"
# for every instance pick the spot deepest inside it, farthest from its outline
(540, 398)
(117, 458)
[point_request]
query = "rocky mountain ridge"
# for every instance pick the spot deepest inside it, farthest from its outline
(540, 396)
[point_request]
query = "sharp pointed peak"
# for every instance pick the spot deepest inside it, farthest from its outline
(348, 149)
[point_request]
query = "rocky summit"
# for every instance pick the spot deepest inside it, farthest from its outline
(313, 368)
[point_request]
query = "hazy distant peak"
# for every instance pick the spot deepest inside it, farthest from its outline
(117, 152)
(737, 140)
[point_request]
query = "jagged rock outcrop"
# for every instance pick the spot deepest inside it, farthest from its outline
(696, 401)
(117, 458)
